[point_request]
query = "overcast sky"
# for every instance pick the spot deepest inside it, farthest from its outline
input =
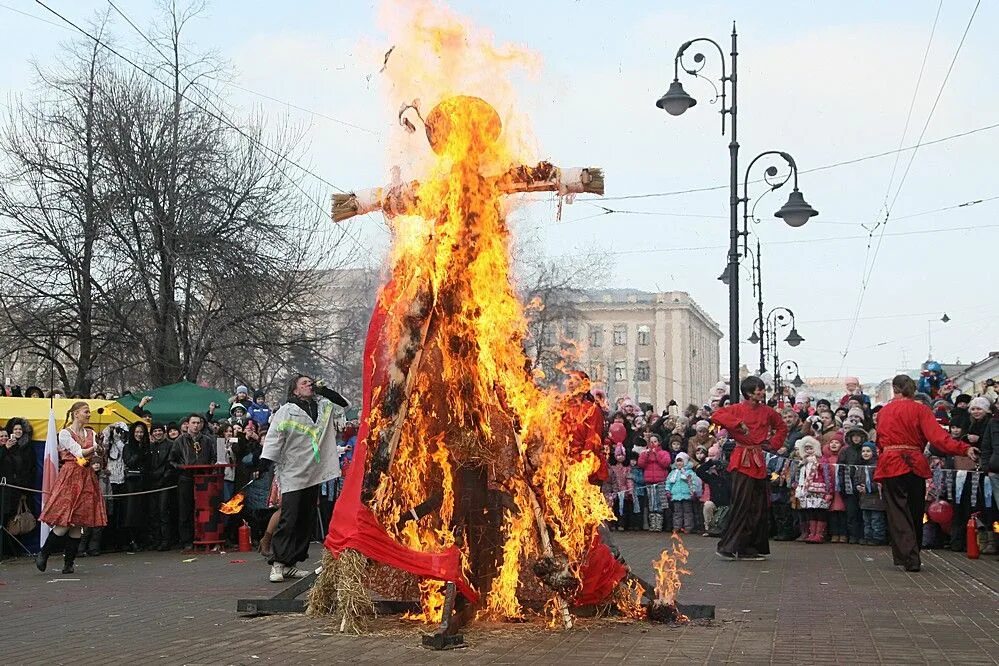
(827, 82)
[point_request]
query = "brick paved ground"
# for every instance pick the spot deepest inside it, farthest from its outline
(810, 604)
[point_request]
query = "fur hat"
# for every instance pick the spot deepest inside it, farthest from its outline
(856, 412)
(856, 429)
(702, 425)
(808, 440)
(682, 458)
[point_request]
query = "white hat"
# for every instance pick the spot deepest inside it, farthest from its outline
(702, 425)
(980, 402)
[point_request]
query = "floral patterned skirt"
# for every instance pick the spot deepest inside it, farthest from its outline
(76, 500)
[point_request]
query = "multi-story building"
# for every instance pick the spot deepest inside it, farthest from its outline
(652, 346)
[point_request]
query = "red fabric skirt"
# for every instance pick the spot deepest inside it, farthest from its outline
(76, 499)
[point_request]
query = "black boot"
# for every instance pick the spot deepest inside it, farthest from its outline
(94, 546)
(51, 543)
(69, 554)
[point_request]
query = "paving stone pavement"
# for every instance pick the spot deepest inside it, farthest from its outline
(808, 604)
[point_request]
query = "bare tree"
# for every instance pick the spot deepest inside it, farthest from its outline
(53, 211)
(150, 237)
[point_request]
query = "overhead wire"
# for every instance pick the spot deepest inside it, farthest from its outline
(870, 265)
(216, 115)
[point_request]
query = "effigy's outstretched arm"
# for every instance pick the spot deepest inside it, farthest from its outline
(400, 198)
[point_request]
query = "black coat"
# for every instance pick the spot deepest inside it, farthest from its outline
(159, 472)
(990, 447)
(713, 473)
(191, 450)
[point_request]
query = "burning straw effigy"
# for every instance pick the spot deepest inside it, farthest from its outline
(470, 488)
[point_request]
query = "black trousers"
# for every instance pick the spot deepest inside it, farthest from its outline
(290, 544)
(162, 506)
(748, 520)
(905, 502)
(185, 509)
(854, 516)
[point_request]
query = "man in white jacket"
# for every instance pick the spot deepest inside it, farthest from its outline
(301, 447)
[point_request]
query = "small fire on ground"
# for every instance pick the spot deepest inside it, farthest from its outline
(668, 571)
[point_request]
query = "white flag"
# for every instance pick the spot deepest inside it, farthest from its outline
(50, 468)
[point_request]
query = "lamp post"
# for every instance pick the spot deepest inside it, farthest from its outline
(929, 335)
(788, 371)
(765, 334)
(795, 212)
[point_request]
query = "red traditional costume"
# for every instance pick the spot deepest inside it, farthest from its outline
(76, 499)
(748, 526)
(904, 427)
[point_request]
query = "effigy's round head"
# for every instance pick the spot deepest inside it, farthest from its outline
(464, 122)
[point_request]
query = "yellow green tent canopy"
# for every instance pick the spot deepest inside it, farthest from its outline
(36, 411)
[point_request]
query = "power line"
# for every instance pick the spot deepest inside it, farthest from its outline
(797, 242)
(869, 268)
(218, 116)
(824, 167)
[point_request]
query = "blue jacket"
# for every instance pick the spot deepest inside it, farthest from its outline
(638, 476)
(259, 413)
(680, 483)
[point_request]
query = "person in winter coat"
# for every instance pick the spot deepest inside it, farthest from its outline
(682, 485)
(815, 488)
(622, 489)
(990, 465)
(259, 411)
(872, 505)
(714, 478)
(195, 447)
(160, 475)
(837, 508)
(654, 463)
(19, 465)
(640, 515)
(850, 454)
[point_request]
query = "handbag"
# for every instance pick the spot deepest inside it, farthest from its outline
(23, 521)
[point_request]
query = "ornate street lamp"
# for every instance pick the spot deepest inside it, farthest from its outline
(795, 212)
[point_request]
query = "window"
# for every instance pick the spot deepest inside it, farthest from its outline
(597, 372)
(644, 334)
(620, 371)
(642, 371)
(620, 334)
(570, 330)
(596, 336)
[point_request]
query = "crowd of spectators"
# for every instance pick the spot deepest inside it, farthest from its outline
(668, 470)
(141, 470)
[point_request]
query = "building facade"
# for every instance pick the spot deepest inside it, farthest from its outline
(655, 347)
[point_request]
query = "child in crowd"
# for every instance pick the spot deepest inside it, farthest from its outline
(717, 491)
(871, 503)
(815, 488)
(681, 484)
(655, 463)
(837, 507)
(781, 518)
(640, 504)
(700, 455)
(622, 489)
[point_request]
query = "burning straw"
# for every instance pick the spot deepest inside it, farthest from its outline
(668, 571)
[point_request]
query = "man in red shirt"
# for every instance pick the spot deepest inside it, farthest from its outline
(904, 427)
(753, 426)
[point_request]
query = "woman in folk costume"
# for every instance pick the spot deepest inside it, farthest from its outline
(76, 501)
(301, 447)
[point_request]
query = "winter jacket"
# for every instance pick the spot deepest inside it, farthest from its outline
(260, 413)
(863, 477)
(193, 450)
(160, 473)
(990, 447)
(21, 463)
(715, 476)
(620, 480)
(681, 484)
(637, 480)
(655, 465)
(792, 438)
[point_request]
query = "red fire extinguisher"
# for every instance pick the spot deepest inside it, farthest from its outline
(244, 539)
(971, 536)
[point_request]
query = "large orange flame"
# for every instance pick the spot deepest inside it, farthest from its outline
(668, 570)
(472, 403)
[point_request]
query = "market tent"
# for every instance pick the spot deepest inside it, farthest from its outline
(36, 411)
(175, 401)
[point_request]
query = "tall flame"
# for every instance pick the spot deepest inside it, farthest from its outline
(668, 570)
(472, 403)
